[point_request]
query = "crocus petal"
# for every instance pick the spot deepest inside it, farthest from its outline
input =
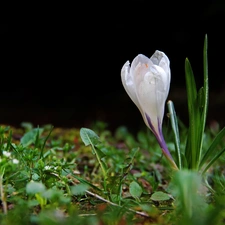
(150, 94)
(128, 83)
(160, 59)
(147, 83)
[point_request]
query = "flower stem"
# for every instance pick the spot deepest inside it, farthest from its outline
(160, 138)
(165, 151)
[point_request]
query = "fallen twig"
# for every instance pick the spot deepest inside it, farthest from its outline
(114, 204)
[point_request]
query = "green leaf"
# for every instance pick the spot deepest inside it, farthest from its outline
(190, 85)
(213, 160)
(211, 150)
(193, 133)
(87, 183)
(205, 94)
(197, 109)
(35, 187)
(133, 152)
(79, 189)
(31, 136)
(101, 154)
(42, 148)
(27, 125)
(135, 189)
(185, 187)
(206, 82)
(201, 99)
(174, 124)
(89, 137)
(160, 196)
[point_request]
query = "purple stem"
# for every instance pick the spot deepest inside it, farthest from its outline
(160, 138)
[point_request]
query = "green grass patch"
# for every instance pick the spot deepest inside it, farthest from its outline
(92, 176)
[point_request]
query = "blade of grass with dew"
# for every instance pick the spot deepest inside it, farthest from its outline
(174, 124)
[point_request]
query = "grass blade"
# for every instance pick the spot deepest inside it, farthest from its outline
(174, 124)
(213, 146)
(213, 160)
(43, 146)
(192, 140)
(83, 181)
(205, 95)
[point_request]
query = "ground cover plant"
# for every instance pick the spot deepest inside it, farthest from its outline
(93, 176)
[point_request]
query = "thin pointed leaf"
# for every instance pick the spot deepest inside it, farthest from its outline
(213, 146)
(37, 138)
(205, 95)
(86, 182)
(190, 85)
(200, 105)
(192, 142)
(188, 154)
(213, 160)
(205, 69)
(174, 124)
(201, 99)
(9, 140)
(43, 146)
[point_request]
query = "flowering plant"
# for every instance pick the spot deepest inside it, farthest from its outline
(147, 82)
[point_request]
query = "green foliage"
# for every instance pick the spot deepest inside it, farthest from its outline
(79, 189)
(192, 202)
(160, 196)
(135, 189)
(89, 137)
(34, 187)
(194, 156)
(189, 204)
(67, 184)
(31, 137)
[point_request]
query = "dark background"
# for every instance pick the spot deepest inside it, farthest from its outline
(65, 69)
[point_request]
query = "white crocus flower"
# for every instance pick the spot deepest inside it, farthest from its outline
(147, 82)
